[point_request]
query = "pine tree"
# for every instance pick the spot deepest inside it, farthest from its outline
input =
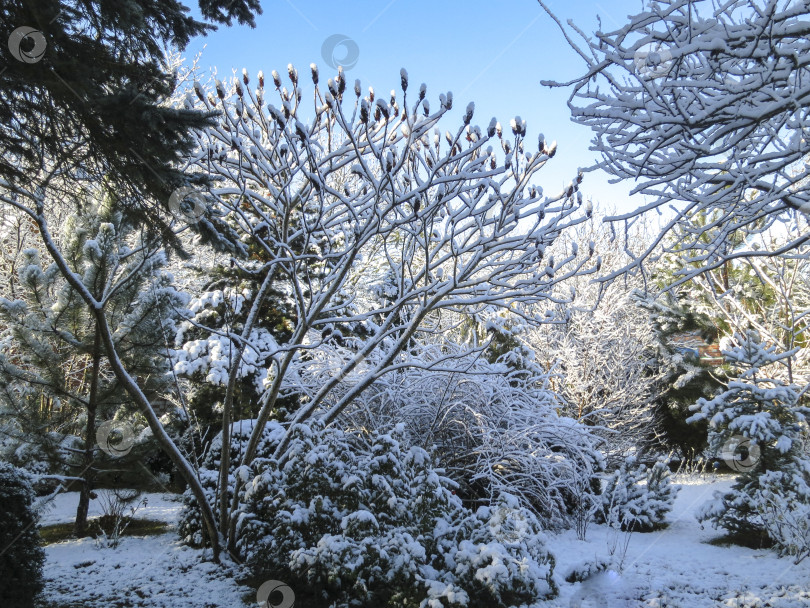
(761, 415)
(636, 497)
(56, 387)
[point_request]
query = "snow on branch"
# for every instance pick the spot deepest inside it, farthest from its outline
(705, 106)
(349, 198)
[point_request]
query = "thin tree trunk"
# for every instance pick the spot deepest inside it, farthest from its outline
(227, 408)
(89, 474)
(128, 383)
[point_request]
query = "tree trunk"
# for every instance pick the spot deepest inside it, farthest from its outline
(88, 473)
(128, 383)
(225, 456)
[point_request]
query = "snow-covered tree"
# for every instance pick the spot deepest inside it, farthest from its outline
(636, 497)
(55, 379)
(687, 378)
(761, 415)
(365, 188)
(783, 506)
(601, 352)
(51, 183)
(85, 101)
(609, 373)
(458, 226)
(16, 236)
(769, 294)
(203, 358)
(702, 104)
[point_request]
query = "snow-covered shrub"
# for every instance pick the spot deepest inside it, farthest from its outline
(498, 555)
(762, 414)
(21, 557)
(190, 527)
(585, 500)
(783, 502)
(588, 569)
(607, 360)
(491, 426)
(637, 498)
(363, 520)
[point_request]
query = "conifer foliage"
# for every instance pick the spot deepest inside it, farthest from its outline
(56, 386)
(762, 416)
(96, 97)
(636, 497)
(367, 521)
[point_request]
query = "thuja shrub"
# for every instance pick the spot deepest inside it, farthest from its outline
(21, 557)
(190, 526)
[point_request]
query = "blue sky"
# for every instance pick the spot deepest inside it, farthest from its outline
(491, 52)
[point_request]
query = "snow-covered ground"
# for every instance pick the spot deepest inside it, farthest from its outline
(62, 508)
(152, 571)
(676, 568)
(673, 568)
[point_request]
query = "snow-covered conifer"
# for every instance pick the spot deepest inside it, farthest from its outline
(757, 426)
(361, 519)
(56, 379)
(22, 557)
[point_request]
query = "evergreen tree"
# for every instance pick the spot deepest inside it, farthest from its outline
(762, 415)
(95, 96)
(208, 345)
(637, 498)
(688, 378)
(56, 387)
(205, 350)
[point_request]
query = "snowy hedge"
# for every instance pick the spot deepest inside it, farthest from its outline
(21, 557)
(363, 520)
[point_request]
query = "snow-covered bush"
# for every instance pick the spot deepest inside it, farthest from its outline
(782, 502)
(362, 520)
(637, 498)
(21, 557)
(762, 414)
(492, 426)
(190, 526)
(589, 569)
(606, 358)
